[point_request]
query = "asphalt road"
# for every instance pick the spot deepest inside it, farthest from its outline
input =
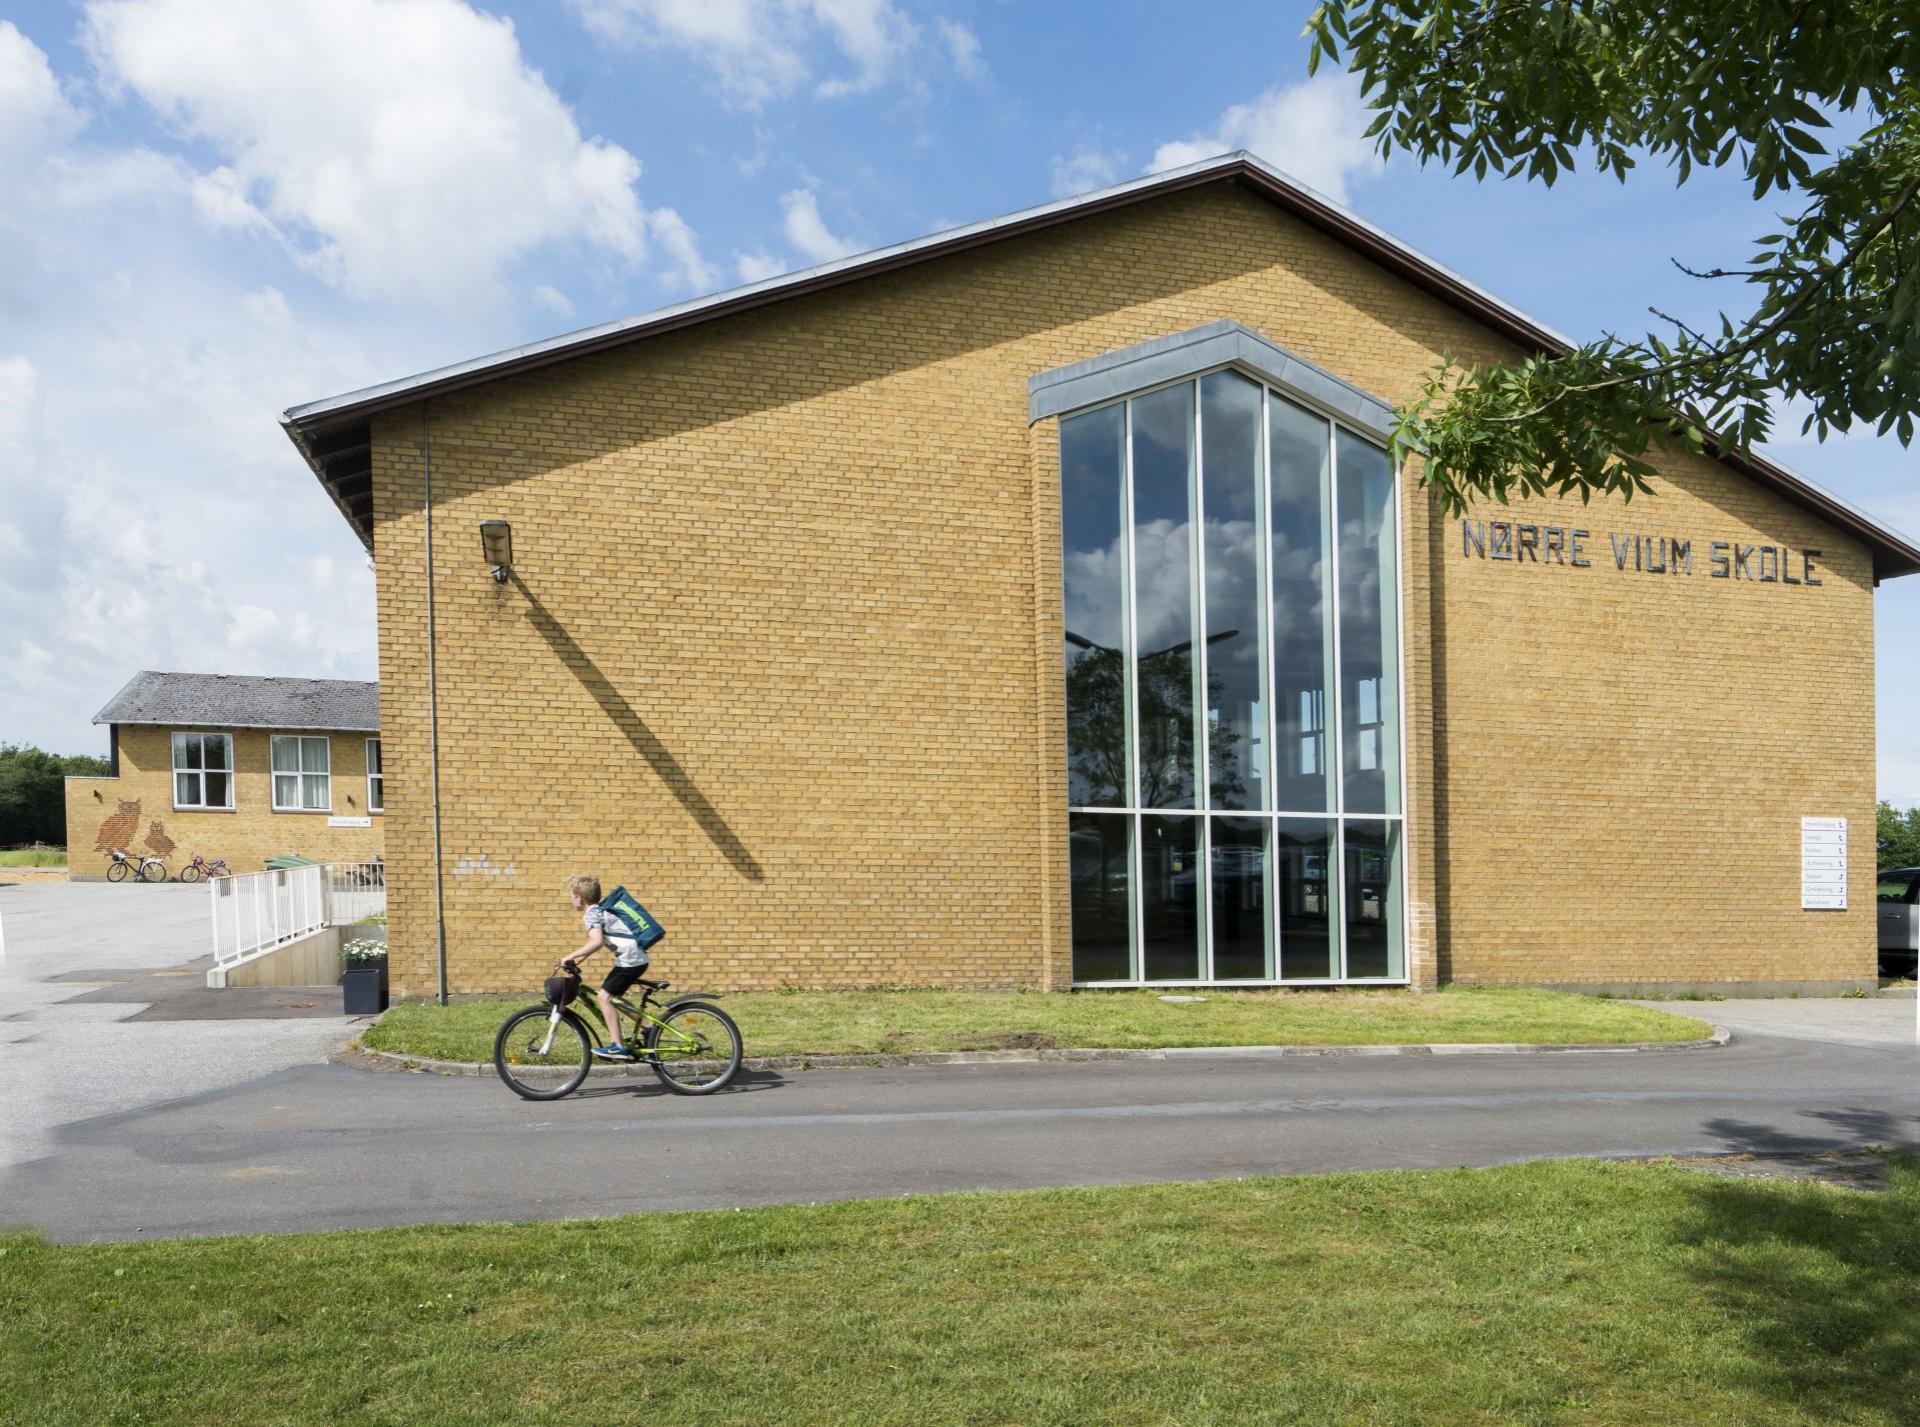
(326, 1146)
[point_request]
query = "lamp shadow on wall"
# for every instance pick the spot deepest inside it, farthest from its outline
(649, 747)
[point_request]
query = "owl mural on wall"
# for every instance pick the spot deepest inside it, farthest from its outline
(117, 831)
(157, 840)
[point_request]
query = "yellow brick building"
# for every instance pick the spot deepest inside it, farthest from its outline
(233, 767)
(1035, 605)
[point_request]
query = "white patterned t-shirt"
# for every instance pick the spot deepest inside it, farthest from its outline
(620, 937)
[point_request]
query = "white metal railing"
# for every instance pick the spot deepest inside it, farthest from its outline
(355, 892)
(258, 911)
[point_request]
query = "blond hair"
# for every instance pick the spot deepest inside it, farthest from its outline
(586, 888)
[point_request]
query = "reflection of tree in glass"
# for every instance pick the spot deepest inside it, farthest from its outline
(1097, 726)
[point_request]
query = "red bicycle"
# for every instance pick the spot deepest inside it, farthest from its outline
(200, 867)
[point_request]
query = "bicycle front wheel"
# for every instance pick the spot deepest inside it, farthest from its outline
(153, 872)
(541, 1060)
(694, 1048)
(117, 872)
(189, 873)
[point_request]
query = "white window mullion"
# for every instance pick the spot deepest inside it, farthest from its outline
(1202, 695)
(1336, 733)
(1135, 930)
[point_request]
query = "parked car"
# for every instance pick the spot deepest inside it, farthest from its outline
(1899, 921)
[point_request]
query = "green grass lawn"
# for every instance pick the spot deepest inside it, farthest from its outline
(34, 857)
(1574, 1292)
(869, 1022)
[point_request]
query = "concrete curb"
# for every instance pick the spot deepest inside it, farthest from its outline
(1721, 1035)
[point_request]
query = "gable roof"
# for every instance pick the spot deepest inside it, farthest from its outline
(334, 434)
(245, 701)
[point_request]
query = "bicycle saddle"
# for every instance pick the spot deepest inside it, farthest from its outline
(654, 985)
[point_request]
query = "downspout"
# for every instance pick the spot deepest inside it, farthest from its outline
(433, 711)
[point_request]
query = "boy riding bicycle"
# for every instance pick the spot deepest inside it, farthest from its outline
(605, 929)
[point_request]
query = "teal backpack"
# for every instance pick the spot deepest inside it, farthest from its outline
(645, 927)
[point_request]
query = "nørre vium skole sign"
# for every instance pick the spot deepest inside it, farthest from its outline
(1522, 543)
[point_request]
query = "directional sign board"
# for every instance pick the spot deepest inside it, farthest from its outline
(1823, 864)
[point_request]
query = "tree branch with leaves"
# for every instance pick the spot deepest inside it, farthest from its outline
(1533, 88)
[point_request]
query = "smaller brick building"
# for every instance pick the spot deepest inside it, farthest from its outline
(232, 766)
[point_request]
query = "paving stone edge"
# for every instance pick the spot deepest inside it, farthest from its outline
(1721, 1035)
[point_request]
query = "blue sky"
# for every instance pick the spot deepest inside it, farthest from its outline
(210, 212)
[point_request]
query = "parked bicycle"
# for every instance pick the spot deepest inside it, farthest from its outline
(200, 867)
(544, 1052)
(146, 869)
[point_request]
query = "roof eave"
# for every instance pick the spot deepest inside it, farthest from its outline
(1893, 553)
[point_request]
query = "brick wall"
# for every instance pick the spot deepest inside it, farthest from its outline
(781, 651)
(122, 811)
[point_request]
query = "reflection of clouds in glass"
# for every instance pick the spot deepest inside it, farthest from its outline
(1298, 584)
(1163, 595)
(1095, 596)
(1233, 597)
(1164, 419)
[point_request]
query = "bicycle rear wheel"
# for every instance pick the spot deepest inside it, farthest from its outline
(694, 1048)
(153, 872)
(541, 1061)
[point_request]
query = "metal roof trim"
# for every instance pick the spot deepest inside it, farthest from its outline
(1212, 346)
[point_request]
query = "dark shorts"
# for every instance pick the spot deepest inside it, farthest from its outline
(621, 979)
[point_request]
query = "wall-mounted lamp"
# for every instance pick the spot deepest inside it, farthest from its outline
(496, 544)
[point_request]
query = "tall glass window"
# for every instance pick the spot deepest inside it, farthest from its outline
(1235, 669)
(1300, 443)
(1093, 561)
(1369, 629)
(1232, 660)
(1166, 595)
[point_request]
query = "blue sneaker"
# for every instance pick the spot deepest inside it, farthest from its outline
(616, 1051)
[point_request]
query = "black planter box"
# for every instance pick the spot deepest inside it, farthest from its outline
(363, 988)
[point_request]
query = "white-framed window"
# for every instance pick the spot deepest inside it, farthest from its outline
(376, 778)
(302, 774)
(202, 770)
(1230, 567)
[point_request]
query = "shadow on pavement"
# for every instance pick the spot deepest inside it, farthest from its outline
(744, 1083)
(1851, 1129)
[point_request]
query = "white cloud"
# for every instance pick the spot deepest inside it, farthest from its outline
(1315, 131)
(1085, 169)
(678, 242)
(808, 231)
(757, 267)
(963, 48)
(33, 111)
(871, 33)
(19, 404)
(402, 148)
(761, 50)
(554, 300)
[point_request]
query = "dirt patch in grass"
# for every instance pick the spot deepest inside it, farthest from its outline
(1846, 1169)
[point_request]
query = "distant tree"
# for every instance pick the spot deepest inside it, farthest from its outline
(1530, 88)
(1897, 835)
(33, 795)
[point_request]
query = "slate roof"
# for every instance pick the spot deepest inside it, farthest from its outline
(245, 701)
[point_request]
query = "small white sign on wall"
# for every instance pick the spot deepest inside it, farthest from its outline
(1823, 864)
(349, 822)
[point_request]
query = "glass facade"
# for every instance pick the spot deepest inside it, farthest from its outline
(1231, 569)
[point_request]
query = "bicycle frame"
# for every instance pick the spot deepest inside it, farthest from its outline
(639, 1013)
